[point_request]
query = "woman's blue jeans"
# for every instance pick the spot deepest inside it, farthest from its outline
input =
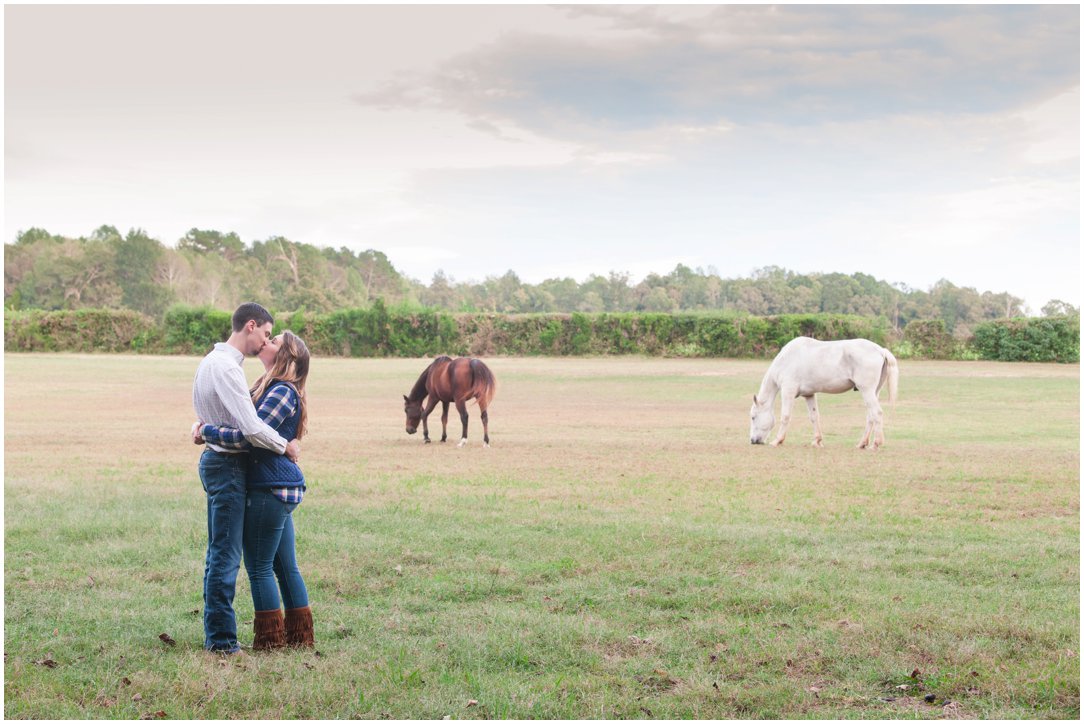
(223, 478)
(269, 553)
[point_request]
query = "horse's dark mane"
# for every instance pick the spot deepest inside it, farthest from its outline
(418, 391)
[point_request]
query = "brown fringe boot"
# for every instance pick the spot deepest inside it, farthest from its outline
(299, 627)
(269, 630)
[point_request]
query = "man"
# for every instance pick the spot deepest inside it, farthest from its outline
(220, 396)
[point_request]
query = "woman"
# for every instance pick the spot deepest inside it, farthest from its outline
(276, 487)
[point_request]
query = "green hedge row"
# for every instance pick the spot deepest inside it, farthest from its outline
(378, 332)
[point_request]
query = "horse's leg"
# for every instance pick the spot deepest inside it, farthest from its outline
(784, 416)
(429, 405)
(874, 420)
(815, 418)
(878, 422)
(461, 405)
(444, 422)
(485, 424)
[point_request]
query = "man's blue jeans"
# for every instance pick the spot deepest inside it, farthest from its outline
(223, 478)
(269, 553)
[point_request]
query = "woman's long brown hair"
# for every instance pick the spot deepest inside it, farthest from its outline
(291, 364)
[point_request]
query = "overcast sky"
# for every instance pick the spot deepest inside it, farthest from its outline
(912, 143)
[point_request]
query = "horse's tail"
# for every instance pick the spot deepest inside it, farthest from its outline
(891, 370)
(485, 384)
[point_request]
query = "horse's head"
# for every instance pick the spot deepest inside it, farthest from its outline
(761, 421)
(413, 410)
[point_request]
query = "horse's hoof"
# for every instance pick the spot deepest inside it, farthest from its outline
(818, 443)
(485, 445)
(427, 441)
(777, 443)
(462, 442)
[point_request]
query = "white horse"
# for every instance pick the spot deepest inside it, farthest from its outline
(807, 366)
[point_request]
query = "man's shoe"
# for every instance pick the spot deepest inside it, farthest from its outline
(225, 653)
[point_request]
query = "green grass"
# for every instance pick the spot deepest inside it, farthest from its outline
(620, 552)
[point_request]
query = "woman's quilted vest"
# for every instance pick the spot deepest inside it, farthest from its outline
(266, 469)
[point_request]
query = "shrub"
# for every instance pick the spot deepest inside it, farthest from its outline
(81, 330)
(929, 339)
(195, 330)
(1043, 339)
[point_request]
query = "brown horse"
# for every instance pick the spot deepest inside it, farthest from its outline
(450, 380)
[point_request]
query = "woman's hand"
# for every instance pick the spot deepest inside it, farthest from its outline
(197, 426)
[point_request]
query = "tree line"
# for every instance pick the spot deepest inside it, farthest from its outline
(110, 270)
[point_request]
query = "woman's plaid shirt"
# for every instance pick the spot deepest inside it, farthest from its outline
(277, 406)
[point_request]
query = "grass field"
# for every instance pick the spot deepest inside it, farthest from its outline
(621, 551)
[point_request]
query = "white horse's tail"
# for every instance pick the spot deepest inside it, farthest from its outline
(891, 370)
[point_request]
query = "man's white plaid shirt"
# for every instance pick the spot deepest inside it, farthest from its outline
(220, 397)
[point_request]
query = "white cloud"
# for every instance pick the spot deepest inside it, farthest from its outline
(789, 65)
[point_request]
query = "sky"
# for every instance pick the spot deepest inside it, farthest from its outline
(911, 143)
